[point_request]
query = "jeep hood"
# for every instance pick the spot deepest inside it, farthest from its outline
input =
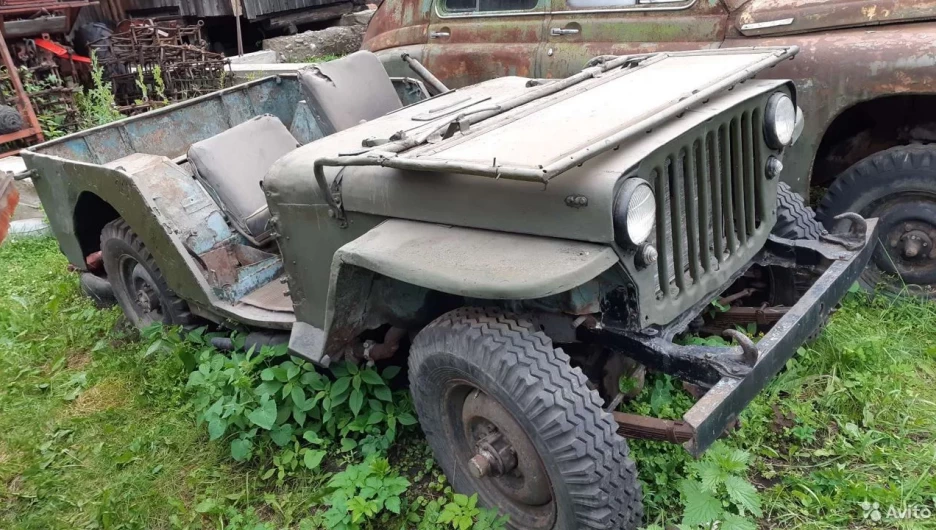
(576, 204)
(779, 17)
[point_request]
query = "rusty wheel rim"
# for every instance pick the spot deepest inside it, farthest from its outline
(145, 302)
(499, 458)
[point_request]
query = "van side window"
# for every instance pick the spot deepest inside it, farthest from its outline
(615, 4)
(471, 6)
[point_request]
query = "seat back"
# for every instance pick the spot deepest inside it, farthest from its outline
(231, 166)
(347, 91)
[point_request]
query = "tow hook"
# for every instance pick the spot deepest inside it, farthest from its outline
(853, 238)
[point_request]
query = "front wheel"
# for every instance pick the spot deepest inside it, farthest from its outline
(508, 418)
(139, 286)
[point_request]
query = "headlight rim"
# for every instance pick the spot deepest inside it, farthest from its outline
(622, 203)
(771, 134)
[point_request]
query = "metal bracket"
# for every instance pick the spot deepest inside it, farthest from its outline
(854, 237)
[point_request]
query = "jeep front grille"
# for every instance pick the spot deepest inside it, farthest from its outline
(710, 195)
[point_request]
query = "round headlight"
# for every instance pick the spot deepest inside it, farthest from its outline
(634, 212)
(779, 121)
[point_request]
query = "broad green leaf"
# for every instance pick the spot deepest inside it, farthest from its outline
(356, 401)
(461, 499)
(298, 396)
(701, 507)
(743, 494)
(339, 370)
(216, 428)
(282, 434)
(241, 449)
(340, 386)
(736, 522)
(407, 419)
(265, 416)
(371, 377)
(267, 374)
(383, 393)
(268, 388)
(711, 475)
(390, 372)
(393, 504)
(313, 458)
(375, 418)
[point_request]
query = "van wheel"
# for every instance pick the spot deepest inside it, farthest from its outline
(898, 186)
(139, 286)
(509, 419)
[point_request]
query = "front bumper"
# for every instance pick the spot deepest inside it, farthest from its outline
(737, 374)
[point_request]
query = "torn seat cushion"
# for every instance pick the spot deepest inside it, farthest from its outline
(347, 91)
(231, 165)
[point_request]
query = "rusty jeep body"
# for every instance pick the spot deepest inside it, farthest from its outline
(521, 244)
(865, 77)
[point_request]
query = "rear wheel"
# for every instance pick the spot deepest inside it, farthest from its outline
(510, 419)
(139, 286)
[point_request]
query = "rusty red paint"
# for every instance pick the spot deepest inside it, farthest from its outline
(852, 51)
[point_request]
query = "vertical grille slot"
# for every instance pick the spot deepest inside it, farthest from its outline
(737, 173)
(710, 201)
(675, 177)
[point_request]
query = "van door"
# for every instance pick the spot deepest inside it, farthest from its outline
(578, 30)
(475, 40)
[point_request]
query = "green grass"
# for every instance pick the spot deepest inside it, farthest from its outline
(98, 434)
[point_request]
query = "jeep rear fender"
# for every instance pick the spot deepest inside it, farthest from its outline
(422, 258)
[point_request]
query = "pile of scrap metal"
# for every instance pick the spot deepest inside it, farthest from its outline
(151, 63)
(34, 93)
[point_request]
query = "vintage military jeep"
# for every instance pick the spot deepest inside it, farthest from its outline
(517, 241)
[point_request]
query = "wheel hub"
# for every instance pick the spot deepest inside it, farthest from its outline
(504, 462)
(908, 227)
(495, 457)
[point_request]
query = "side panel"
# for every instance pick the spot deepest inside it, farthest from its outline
(838, 69)
(578, 30)
(398, 23)
(472, 45)
(60, 184)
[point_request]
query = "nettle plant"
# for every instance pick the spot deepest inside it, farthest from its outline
(719, 494)
(294, 407)
(364, 494)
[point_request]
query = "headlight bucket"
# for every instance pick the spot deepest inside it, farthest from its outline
(634, 212)
(779, 121)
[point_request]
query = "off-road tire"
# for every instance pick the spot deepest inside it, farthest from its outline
(594, 482)
(897, 176)
(117, 240)
(795, 220)
(11, 120)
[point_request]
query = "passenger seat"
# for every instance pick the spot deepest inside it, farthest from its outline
(231, 166)
(348, 91)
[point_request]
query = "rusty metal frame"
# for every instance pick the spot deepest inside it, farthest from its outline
(33, 129)
(757, 364)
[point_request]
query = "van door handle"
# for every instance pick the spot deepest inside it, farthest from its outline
(439, 35)
(558, 32)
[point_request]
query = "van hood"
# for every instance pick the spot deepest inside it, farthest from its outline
(780, 17)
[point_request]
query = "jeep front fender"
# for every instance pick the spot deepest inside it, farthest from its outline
(459, 261)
